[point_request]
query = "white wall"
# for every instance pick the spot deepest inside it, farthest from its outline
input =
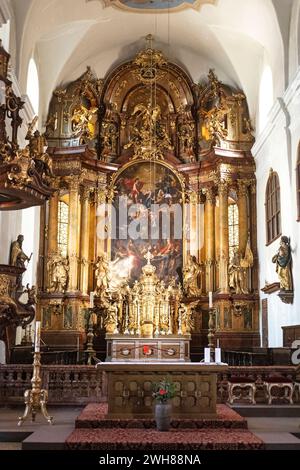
(276, 147)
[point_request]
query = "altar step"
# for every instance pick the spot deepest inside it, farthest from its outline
(173, 440)
(94, 416)
(94, 431)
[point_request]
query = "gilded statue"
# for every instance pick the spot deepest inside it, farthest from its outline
(17, 255)
(191, 273)
(238, 270)
(185, 321)
(149, 137)
(111, 320)
(283, 260)
(83, 121)
(102, 273)
(58, 272)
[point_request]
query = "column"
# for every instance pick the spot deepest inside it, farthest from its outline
(253, 236)
(210, 238)
(224, 242)
(53, 224)
(73, 233)
(84, 240)
(243, 219)
(100, 214)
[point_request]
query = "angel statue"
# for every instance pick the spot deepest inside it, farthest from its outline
(283, 260)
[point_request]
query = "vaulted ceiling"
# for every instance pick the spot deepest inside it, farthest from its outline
(236, 38)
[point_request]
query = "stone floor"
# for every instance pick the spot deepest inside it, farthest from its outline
(277, 431)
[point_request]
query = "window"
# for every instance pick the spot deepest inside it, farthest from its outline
(273, 218)
(298, 184)
(33, 85)
(233, 228)
(63, 228)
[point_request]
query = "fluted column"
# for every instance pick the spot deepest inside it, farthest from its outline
(253, 235)
(243, 218)
(53, 224)
(210, 238)
(73, 233)
(224, 242)
(84, 240)
(100, 214)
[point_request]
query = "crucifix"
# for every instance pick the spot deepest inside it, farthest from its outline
(148, 256)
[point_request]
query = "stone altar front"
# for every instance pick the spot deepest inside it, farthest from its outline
(129, 388)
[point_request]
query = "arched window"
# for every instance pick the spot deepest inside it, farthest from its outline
(273, 218)
(63, 228)
(298, 183)
(33, 89)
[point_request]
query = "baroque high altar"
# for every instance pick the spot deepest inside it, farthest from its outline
(142, 138)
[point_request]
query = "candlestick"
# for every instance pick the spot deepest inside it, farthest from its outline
(92, 299)
(37, 341)
(218, 356)
(36, 398)
(210, 298)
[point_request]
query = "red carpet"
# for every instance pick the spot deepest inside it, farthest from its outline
(94, 416)
(95, 432)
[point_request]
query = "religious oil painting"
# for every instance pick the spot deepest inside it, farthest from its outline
(148, 208)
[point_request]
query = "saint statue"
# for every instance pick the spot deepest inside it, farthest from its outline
(283, 260)
(17, 255)
(102, 273)
(190, 277)
(58, 270)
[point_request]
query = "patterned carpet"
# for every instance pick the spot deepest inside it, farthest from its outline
(94, 416)
(95, 432)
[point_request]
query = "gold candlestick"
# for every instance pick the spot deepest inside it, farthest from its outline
(211, 328)
(35, 398)
(90, 342)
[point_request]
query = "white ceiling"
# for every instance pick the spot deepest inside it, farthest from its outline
(235, 37)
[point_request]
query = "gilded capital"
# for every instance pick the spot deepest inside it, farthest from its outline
(85, 193)
(210, 195)
(242, 188)
(223, 187)
(73, 183)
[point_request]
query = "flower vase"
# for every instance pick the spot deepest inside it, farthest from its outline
(163, 416)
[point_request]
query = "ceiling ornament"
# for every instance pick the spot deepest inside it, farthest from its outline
(157, 6)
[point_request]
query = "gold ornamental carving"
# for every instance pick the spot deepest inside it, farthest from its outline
(149, 64)
(149, 136)
(147, 309)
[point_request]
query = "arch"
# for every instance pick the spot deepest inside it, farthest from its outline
(272, 207)
(33, 89)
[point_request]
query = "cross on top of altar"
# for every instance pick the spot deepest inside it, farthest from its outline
(149, 256)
